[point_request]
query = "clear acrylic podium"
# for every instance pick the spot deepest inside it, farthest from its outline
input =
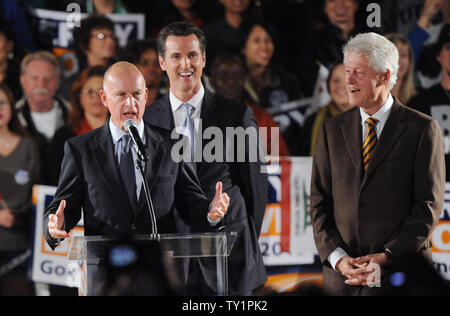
(216, 245)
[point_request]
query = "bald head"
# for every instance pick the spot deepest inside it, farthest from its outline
(118, 70)
(124, 93)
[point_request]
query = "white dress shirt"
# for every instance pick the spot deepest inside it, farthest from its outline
(382, 115)
(178, 111)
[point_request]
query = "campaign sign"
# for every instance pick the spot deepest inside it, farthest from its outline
(286, 234)
(440, 239)
(58, 25)
(52, 266)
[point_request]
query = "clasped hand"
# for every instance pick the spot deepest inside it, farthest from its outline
(360, 271)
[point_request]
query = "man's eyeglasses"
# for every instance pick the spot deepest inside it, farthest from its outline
(103, 36)
(91, 92)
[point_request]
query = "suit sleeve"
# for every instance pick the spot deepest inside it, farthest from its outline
(429, 187)
(253, 173)
(326, 235)
(70, 188)
(190, 200)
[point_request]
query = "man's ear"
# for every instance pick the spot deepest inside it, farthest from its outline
(387, 76)
(22, 80)
(162, 63)
(103, 97)
(204, 59)
(384, 78)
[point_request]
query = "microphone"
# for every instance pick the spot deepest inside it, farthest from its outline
(131, 126)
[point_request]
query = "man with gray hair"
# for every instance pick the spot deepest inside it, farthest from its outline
(40, 111)
(378, 177)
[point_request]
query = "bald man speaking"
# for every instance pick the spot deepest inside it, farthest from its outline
(99, 180)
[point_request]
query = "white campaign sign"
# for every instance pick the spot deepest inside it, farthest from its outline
(50, 266)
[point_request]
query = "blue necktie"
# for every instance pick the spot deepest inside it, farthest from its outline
(188, 126)
(126, 167)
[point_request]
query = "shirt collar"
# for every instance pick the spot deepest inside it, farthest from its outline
(382, 114)
(117, 133)
(195, 101)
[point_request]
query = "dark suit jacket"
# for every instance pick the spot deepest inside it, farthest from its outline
(90, 181)
(394, 205)
(242, 181)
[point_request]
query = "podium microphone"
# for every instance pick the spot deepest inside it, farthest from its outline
(131, 126)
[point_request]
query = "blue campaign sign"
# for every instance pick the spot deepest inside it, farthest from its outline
(57, 26)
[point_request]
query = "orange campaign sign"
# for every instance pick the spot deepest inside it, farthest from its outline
(286, 234)
(440, 239)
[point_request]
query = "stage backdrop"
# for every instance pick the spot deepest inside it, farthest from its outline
(286, 237)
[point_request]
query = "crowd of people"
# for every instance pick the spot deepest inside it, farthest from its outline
(262, 54)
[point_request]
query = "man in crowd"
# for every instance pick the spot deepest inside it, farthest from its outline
(40, 110)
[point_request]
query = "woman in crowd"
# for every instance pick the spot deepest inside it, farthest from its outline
(88, 111)
(227, 78)
(338, 104)
(95, 44)
(404, 89)
(19, 170)
(267, 84)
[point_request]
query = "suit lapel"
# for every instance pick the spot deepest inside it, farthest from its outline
(152, 167)
(393, 129)
(352, 138)
(106, 162)
(160, 114)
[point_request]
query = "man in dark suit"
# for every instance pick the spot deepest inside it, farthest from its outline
(181, 50)
(378, 176)
(94, 177)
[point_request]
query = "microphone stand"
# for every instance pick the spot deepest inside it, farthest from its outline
(140, 162)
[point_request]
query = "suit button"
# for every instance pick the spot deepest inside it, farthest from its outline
(133, 227)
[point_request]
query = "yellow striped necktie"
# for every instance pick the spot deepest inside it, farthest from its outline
(369, 142)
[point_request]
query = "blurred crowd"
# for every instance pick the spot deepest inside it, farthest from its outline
(262, 53)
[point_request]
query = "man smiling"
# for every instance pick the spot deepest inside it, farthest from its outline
(378, 176)
(182, 54)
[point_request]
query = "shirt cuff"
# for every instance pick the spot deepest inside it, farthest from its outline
(335, 256)
(211, 222)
